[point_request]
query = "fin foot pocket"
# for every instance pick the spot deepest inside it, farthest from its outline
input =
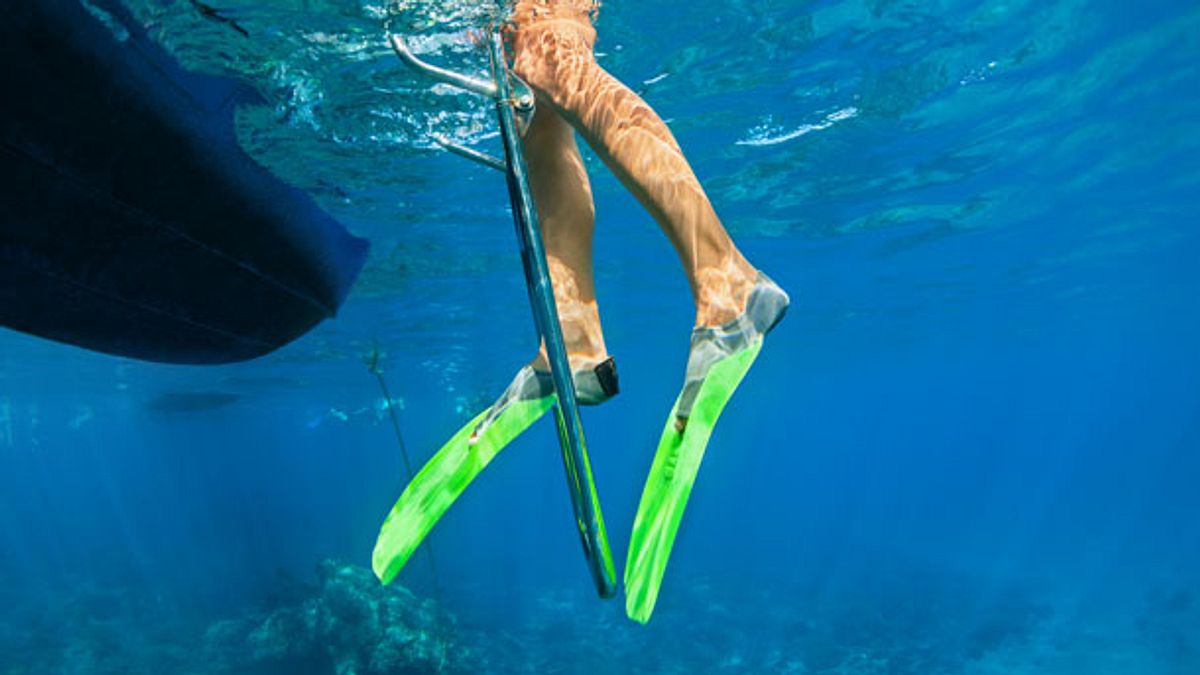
(765, 308)
(594, 384)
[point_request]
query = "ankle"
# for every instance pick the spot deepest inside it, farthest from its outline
(581, 330)
(722, 292)
(579, 356)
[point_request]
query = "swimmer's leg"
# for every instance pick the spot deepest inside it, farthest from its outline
(567, 215)
(555, 58)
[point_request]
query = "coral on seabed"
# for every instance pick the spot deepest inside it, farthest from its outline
(350, 626)
(345, 624)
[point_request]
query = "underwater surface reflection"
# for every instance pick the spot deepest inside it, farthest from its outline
(971, 448)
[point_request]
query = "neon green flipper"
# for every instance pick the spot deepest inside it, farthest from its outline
(717, 362)
(670, 482)
(445, 476)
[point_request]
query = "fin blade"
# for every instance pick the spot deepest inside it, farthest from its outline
(442, 480)
(665, 495)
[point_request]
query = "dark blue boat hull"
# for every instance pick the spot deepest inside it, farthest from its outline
(131, 222)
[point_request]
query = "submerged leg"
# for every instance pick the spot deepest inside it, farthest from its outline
(563, 197)
(553, 53)
(566, 215)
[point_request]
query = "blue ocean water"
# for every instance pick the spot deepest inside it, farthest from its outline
(973, 446)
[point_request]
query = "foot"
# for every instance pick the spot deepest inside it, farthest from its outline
(595, 377)
(764, 307)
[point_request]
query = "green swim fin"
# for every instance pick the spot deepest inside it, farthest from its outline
(670, 482)
(444, 478)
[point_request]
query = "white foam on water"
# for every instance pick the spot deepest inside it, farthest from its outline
(769, 134)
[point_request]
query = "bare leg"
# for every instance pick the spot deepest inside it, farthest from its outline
(553, 53)
(567, 215)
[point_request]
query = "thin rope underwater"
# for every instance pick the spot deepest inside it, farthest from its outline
(372, 363)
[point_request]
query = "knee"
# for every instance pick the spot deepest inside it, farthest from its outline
(554, 61)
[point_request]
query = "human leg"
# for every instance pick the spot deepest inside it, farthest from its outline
(566, 216)
(553, 53)
(563, 196)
